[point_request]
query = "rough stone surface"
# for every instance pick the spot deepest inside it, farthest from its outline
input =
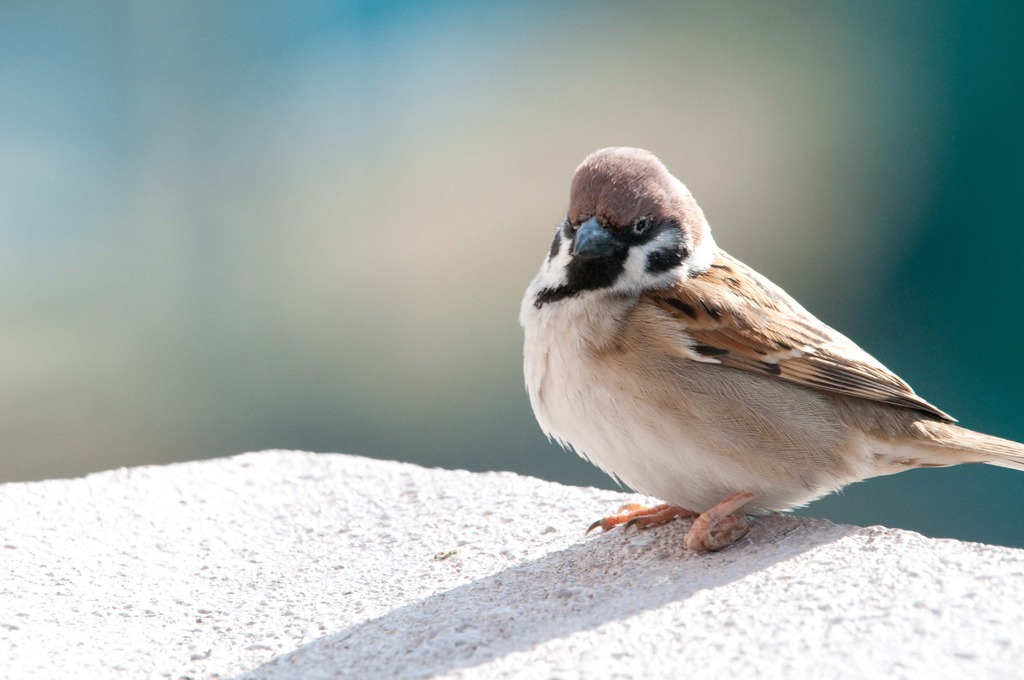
(297, 565)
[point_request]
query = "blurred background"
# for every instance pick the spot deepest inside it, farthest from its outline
(241, 225)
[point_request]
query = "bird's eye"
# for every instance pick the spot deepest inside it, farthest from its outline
(642, 225)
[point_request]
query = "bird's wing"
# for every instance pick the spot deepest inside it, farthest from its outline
(733, 316)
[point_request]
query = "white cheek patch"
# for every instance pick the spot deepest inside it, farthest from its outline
(700, 259)
(554, 270)
(636, 278)
(634, 271)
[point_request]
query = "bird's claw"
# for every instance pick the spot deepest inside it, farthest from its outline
(641, 516)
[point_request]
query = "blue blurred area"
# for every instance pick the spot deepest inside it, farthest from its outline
(232, 226)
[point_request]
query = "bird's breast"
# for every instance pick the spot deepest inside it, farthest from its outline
(594, 405)
(687, 432)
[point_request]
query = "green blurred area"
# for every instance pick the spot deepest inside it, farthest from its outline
(235, 226)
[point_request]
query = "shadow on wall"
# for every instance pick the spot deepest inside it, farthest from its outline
(612, 577)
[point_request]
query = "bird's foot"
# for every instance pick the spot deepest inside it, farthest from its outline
(721, 526)
(641, 516)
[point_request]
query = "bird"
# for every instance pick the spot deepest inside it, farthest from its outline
(689, 377)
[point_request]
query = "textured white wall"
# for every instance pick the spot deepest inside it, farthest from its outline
(292, 565)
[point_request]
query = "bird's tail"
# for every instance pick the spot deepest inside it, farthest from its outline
(967, 446)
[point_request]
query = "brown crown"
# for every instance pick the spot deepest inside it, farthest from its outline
(618, 185)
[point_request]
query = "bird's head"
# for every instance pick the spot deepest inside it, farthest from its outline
(631, 226)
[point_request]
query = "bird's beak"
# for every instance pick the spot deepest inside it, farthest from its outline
(593, 241)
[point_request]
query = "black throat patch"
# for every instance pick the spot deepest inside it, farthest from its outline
(586, 275)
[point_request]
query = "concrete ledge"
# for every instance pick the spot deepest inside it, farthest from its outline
(297, 565)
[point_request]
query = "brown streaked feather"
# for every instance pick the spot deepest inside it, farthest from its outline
(737, 318)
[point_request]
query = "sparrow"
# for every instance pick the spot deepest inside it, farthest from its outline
(689, 377)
